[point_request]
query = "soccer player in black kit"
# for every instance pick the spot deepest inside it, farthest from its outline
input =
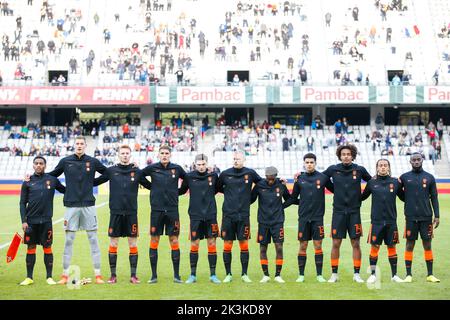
(202, 186)
(164, 209)
(270, 193)
(384, 190)
(420, 188)
(346, 177)
(310, 186)
(124, 179)
(236, 185)
(36, 212)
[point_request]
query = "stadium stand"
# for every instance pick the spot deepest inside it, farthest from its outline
(136, 42)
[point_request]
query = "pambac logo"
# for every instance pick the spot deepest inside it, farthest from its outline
(334, 94)
(437, 94)
(211, 95)
(76, 95)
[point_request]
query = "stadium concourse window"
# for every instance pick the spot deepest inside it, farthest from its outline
(299, 117)
(14, 117)
(355, 116)
(190, 116)
(58, 77)
(408, 115)
(237, 77)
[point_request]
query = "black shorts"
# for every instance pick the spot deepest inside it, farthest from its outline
(310, 230)
(161, 221)
(343, 223)
(201, 229)
(39, 234)
(379, 233)
(412, 229)
(123, 226)
(274, 232)
(235, 229)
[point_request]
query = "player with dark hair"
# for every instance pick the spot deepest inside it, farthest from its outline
(270, 192)
(202, 186)
(79, 170)
(346, 177)
(384, 190)
(236, 185)
(124, 179)
(310, 186)
(164, 216)
(420, 188)
(36, 212)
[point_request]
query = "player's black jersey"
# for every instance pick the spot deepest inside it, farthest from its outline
(36, 198)
(384, 191)
(79, 173)
(202, 190)
(124, 183)
(347, 186)
(236, 185)
(311, 189)
(164, 194)
(270, 203)
(420, 187)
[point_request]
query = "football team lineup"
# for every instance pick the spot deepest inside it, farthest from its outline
(241, 186)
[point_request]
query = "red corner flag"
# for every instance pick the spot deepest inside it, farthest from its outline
(13, 248)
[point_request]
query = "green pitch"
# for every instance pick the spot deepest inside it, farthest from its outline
(11, 274)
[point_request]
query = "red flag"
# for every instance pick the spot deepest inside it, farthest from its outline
(13, 248)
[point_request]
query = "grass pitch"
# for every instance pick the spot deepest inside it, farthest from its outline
(11, 274)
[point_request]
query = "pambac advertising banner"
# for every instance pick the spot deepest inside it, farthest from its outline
(216, 95)
(353, 94)
(436, 94)
(75, 95)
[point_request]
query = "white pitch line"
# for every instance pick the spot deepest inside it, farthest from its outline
(54, 222)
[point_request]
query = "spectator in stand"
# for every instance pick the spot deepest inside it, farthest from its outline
(310, 143)
(285, 142)
(338, 127)
(126, 130)
(7, 126)
(379, 121)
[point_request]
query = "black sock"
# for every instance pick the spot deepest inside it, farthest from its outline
(301, 264)
(429, 267)
(265, 269)
(373, 263)
(113, 263)
(176, 263)
(319, 263)
(212, 259)
(193, 257)
(154, 262)
(227, 258)
(278, 270)
(133, 263)
(393, 263)
(245, 257)
(408, 265)
(30, 260)
(48, 261)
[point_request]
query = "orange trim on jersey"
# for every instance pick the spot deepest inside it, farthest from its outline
(318, 251)
(175, 246)
(212, 249)
(279, 262)
(227, 247)
(265, 262)
(194, 248)
(31, 251)
(334, 262)
(357, 263)
(392, 252)
(133, 250)
(112, 250)
(374, 252)
(243, 246)
(302, 254)
(428, 255)
(48, 250)
(154, 244)
(408, 255)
